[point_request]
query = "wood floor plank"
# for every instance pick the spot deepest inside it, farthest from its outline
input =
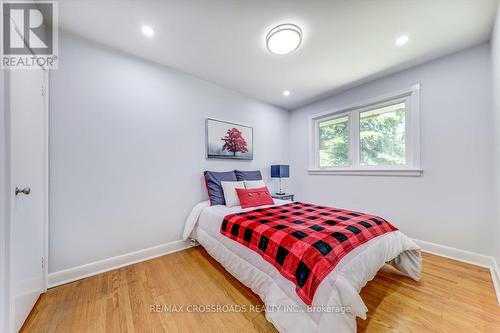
(451, 297)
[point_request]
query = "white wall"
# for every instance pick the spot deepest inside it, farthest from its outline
(3, 205)
(495, 58)
(453, 202)
(127, 150)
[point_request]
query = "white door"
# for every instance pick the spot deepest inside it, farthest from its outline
(27, 107)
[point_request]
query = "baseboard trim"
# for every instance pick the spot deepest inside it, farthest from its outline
(80, 272)
(495, 275)
(77, 273)
(466, 257)
(456, 254)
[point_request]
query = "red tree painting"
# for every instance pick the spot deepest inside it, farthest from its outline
(234, 141)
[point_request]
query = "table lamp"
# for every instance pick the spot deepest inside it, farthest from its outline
(280, 171)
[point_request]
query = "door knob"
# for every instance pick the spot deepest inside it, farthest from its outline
(25, 190)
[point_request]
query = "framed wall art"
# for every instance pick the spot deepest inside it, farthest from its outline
(229, 140)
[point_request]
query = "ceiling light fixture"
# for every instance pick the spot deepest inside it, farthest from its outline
(402, 40)
(148, 31)
(284, 39)
(286, 93)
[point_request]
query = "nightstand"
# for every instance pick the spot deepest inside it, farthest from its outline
(286, 196)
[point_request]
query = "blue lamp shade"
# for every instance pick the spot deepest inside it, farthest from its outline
(280, 171)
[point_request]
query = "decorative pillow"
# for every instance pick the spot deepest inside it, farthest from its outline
(254, 197)
(248, 175)
(230, 195)
(254, 184)
(214, 188)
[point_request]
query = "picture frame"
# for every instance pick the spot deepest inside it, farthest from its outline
(226, 140)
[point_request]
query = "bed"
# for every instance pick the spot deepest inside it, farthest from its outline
(336, 302)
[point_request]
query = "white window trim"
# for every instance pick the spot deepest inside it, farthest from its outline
(412, 167)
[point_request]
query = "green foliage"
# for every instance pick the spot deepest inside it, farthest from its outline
(382, 138)
(334, 144)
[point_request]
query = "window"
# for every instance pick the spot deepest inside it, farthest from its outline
(379, 137)
(334, 142)
(382, 135)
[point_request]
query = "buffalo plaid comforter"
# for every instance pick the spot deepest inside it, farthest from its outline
(303, 241)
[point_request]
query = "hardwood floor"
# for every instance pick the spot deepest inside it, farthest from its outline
(451, 297)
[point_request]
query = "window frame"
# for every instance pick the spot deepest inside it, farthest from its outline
(410, 96)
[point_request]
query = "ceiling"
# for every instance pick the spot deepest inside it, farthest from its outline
(223, 41)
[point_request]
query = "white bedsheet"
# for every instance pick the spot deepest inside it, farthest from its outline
(340, 288)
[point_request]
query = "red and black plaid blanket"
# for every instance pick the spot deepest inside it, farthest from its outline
(303, 241)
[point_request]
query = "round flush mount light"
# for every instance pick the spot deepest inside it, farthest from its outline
(402, 40)
(284, 39)
(286, 93)
(148, 31)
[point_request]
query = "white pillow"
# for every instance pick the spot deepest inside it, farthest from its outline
(254, 184)
(230, 195)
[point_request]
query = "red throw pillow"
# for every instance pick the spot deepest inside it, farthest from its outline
(254, 197)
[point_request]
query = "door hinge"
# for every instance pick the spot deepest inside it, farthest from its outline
(43, 91)
(43, 262)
